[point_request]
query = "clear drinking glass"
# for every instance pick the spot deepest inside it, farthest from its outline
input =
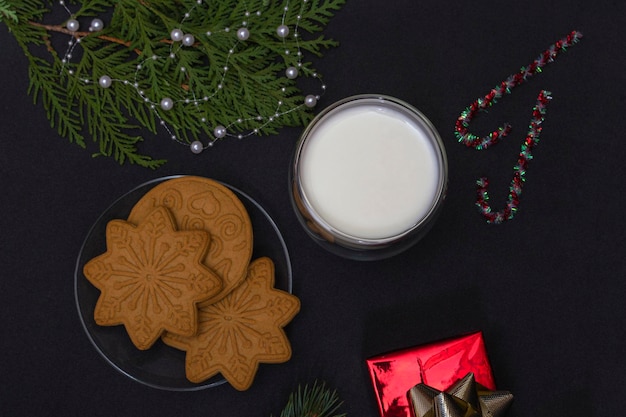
(368, 177)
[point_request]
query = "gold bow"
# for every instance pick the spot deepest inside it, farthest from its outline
(466, 398)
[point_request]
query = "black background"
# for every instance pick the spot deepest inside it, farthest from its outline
(547, 288)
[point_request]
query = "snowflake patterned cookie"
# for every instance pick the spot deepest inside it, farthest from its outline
(198, 203)
(241, 331)
(151, 278)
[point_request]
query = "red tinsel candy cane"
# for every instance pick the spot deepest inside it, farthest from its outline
(525, 155)
(481, 143)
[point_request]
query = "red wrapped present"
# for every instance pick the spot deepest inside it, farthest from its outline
(439, 365)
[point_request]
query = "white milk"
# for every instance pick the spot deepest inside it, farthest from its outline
(370, 171)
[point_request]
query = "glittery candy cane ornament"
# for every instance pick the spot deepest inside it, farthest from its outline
(525, 155)
(481, 143)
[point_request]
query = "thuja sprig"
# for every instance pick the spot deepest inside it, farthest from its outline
(218, 80)
(313, 401)
(6, 12)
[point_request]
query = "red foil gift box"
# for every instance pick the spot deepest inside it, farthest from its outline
(438, 365)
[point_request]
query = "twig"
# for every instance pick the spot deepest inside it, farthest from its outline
(78, 35)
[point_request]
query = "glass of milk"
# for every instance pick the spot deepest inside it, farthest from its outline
(369, 176)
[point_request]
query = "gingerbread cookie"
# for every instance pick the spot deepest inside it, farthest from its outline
(240, 331)
(203, 204)
(151, 278)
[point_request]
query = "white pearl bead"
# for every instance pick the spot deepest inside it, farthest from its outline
(219, 132)
(196, 147)
(243, 34)
(72, 25)
(310, 101)
(291, 73)
(176, 35)
(167, 103)
(282, 31)
(105, 81)
(96, 25)
(188, 40)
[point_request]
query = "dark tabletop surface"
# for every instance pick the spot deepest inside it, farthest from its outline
(547, 288)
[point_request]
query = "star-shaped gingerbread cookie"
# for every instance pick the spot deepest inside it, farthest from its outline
(240, 331)
(198, 203)
(151, 278)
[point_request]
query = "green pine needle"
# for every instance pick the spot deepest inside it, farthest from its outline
(119, 118)
(6, 12)
(315, 401)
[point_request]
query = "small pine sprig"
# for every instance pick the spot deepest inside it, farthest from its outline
(218, 81)
(313, 401)
(6, 12)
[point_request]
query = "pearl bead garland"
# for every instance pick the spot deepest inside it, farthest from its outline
(220, 132)
(177, 35)
(96, 25)
(105, 81)
(310, 101)
(72, 25)
(282, 31)
(196, 147)
(243, 34)
(167, 103)
(291, 73)
(188, 40)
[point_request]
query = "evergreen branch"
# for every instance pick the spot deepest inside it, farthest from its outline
(6, 12)
(123, 147)
(53, 95)
(315, 401)
(219, 80)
